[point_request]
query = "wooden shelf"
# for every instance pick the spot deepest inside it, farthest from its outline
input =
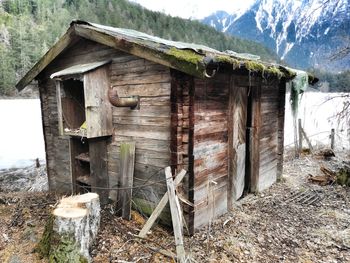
(85, 179)
(78, 133)
(84, 157)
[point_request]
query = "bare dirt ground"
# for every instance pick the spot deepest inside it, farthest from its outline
(293, 221)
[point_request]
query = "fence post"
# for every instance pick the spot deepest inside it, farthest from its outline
(332, 139)
(296, 147)
(300, 136)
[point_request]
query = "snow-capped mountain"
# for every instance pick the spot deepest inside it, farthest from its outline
(303, 32)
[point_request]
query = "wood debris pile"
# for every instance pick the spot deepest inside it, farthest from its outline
(341, 176)
(328, 177)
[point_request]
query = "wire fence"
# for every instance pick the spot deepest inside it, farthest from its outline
(323, 140)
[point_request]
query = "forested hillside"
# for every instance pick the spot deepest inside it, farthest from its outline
(333, 82)
(29, 27)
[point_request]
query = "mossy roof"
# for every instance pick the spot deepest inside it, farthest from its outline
(190, 58)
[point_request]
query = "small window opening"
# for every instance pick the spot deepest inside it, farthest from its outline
(73, 105)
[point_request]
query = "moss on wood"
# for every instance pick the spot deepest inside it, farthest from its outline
(44, 246)
(124, 150)
(146, 208)
(186, 55)
(228, 60)
(274, 71)
(58, 249)
(254, 66)
(65, 250)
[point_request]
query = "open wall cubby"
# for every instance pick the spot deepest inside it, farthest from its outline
(83, 104)
(80, 165)
(73, 106)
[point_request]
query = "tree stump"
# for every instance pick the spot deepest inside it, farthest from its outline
(71, 229)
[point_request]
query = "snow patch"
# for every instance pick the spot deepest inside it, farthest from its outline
(287, 49)
(317, 111)
(21, 133)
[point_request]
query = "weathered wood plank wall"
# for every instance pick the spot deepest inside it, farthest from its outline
(57, 147)
(210, 148)
(281, 116)
(237, 123)
(57, 159)
(148, 127)
(269, 131)
(165, 127)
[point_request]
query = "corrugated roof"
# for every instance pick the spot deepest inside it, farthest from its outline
(79, 69)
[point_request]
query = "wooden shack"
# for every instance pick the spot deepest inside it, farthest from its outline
(218, 115)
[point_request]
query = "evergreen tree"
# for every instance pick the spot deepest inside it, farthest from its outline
(34, 25)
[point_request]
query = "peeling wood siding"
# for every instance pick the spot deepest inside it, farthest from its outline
(182, 95)
(210, 148)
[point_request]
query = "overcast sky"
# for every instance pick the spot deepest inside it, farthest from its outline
(194, 8)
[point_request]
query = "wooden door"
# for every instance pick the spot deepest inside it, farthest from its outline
(237, 142)
(97, 106)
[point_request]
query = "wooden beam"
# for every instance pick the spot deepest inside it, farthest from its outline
(307, 140)
(255, 138)
(139, 50)
(332, 138)
(59, 107)
(176, 215)
(160, 207)
(127, 163)
(98, 168)
(280, 139)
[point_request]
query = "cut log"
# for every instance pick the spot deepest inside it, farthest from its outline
(91, 202)
(71, 229)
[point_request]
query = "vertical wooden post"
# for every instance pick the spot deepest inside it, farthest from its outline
(254, 144)
(59, 107)
(332, 138)
(300, 135)
(296, 146)
(98, 168)
(176, 216)
(127, 162)
(307, 140)
(280, 138)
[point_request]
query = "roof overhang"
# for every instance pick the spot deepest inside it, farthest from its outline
(78, 69)
(189, 58)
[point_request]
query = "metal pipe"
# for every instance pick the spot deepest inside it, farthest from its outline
(133, 101)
